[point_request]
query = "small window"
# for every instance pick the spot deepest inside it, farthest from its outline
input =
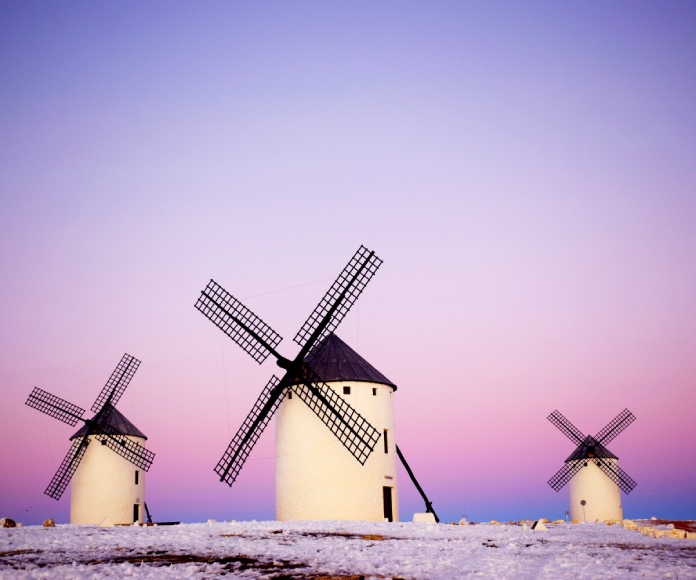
(137, 475)
(386, 441)
(374, 392)
(346, 390)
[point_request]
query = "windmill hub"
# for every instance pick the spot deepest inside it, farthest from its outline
(284, 363)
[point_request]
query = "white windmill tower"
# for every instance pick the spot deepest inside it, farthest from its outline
(103, 454)
(315, 479)
(596, 480)
(335, 409)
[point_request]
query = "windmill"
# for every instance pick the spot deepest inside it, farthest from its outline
(596, 480)
(115, 433)
(259, 340)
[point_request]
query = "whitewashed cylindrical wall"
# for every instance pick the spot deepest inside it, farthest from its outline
(317, 478)
(601, 495)
(104, 485)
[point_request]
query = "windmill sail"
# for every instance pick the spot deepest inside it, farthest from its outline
(259, 340)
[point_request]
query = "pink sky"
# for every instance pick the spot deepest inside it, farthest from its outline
(525, 172)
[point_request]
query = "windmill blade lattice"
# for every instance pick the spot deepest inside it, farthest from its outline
(340, 298)
(350, 427)
(565, 474)
(67, 468)
(617, 475)
(126, 448)
(616, 426)
(238, 322)
(117, 383)
(566, 427)
(243, 442)
(55, 407)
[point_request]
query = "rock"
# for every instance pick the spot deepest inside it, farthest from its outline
(49, 523)
(211, 521)
(539, 526)
(424, 518)
(462, 522)
(576, 521)
(678, 534)
(558, 522)
(495, 523)
(630, 525)
(544, 521)
(691, 535)
(653, 518)
(7, 523)
(106, 523)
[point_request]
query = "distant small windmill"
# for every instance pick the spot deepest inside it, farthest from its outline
(118, 487)
(593, 471)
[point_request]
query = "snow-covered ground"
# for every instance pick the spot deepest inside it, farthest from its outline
(342, 550)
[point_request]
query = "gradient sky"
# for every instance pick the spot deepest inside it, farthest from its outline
(525, 170)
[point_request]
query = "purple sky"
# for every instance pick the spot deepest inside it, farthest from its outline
(525, 170)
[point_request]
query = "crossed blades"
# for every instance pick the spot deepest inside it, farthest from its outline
(105, 433)
(592, 449)
(259, 340)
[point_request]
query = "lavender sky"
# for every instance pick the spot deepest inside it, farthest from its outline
(525, 170)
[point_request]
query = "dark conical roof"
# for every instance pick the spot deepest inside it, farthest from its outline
(333, 360)
(590, 448)
(117, 421)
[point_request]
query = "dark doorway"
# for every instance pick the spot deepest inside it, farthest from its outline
(387, 495)
(136, 513)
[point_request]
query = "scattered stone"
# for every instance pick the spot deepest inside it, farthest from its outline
(7, 523)
(558, 522)
(544, 521)
(691, 535)
(495, 523)
(653, 518)
(630, 525)
(576, 521)
(211, 521)
(49, 523)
